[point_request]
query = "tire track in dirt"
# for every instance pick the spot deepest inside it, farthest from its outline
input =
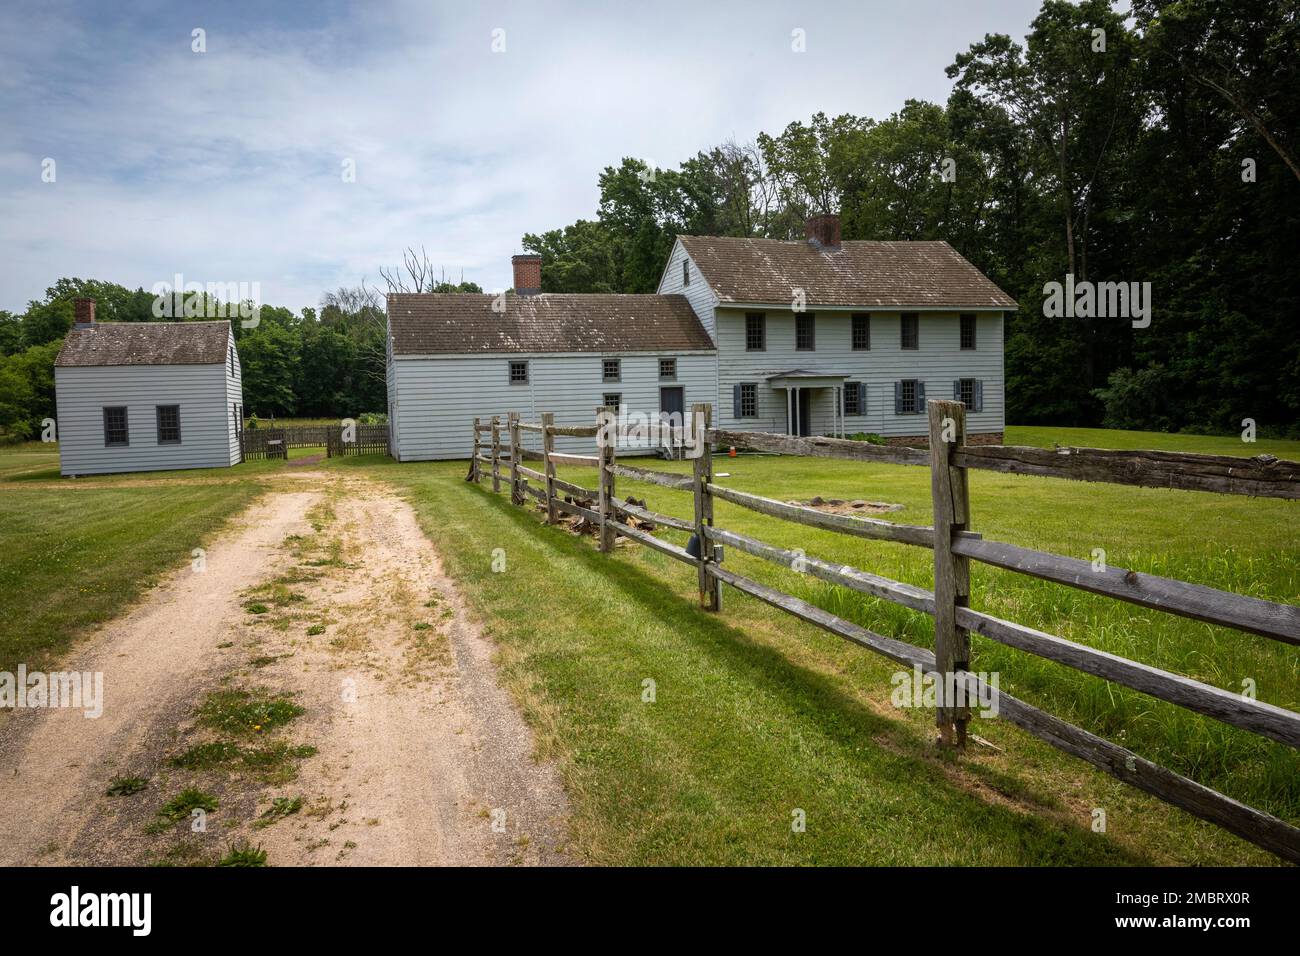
(421, 757)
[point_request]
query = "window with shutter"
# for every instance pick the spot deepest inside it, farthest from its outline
(853, 398)
(748, 400)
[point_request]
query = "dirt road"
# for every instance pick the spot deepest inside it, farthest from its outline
(325, 594)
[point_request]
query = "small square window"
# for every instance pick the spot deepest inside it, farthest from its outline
(668, 368)
(805, 332)
(749, 400)
(861, 332)
(518, 373)
(169, 424)
(610, 370)
(612, 400)
(755, 332)
(911, 331)
(115, 426)
(968, 332)
(853, 398)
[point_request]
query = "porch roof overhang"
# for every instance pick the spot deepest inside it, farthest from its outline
(802, 378)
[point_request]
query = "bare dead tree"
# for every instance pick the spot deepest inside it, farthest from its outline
(415, 274)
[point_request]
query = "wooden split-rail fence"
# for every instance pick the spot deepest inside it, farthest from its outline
(954, 546)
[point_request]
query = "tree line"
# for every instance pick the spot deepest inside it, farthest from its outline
(1152, 146)
(1157, 146)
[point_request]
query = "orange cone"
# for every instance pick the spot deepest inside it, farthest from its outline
(731, 452)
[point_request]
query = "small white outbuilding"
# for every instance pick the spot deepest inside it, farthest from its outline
(147, 396)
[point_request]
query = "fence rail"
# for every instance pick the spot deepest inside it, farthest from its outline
(954, 546)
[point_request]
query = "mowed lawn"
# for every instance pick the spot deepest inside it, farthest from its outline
(693, 738)
(74, 553)
(757, 716)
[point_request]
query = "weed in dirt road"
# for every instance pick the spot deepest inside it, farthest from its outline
(247, 712)
(244, 854)
(280, 808)
(185, 802)
(126, 786)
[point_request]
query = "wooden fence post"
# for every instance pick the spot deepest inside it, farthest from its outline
(548, 446)
(710, 587)
(475, 473)
(516, 496)
(949, 491)
(604, 485)
(496, 452)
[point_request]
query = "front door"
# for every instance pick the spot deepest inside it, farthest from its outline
(805, 412)
(672, 409)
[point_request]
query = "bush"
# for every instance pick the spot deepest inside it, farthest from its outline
(1144, 400)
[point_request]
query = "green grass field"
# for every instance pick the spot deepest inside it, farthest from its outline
(755, 715)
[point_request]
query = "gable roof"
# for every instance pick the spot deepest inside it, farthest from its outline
(145, 343)
(929, 274)
(425, 324)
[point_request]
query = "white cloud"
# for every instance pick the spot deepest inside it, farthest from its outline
(225, 166)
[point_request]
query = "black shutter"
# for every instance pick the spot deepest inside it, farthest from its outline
(956, 390)
(735, 401)
(898, 398)
(920, 396)
(979, 394)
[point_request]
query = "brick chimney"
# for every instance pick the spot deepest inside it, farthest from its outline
(84, 311)
(528, 274)
(823, 231)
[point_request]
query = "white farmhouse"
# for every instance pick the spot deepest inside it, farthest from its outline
(147, 396)
(815, 337)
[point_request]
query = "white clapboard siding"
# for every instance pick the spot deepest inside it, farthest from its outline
(698, 293)
(436, 398)
(938, 362)
(201, 391)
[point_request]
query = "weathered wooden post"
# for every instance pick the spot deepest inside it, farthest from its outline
(548, 446)
(475, 473)
(516, 496)
(606, 435)
(710, 587)
(496, 452)
(949, 491)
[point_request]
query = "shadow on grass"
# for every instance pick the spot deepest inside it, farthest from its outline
(861, 737)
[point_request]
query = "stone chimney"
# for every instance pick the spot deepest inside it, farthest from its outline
(84, 311)
(823, 231)
(528, 274)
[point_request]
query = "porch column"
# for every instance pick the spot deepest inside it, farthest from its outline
(789, 410)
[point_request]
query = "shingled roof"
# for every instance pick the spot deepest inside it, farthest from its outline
(145, 343)
(855, 273)
(425, 324)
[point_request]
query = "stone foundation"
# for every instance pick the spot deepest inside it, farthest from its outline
(923, 441)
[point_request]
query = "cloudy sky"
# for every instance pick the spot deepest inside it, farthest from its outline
(227, 165)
